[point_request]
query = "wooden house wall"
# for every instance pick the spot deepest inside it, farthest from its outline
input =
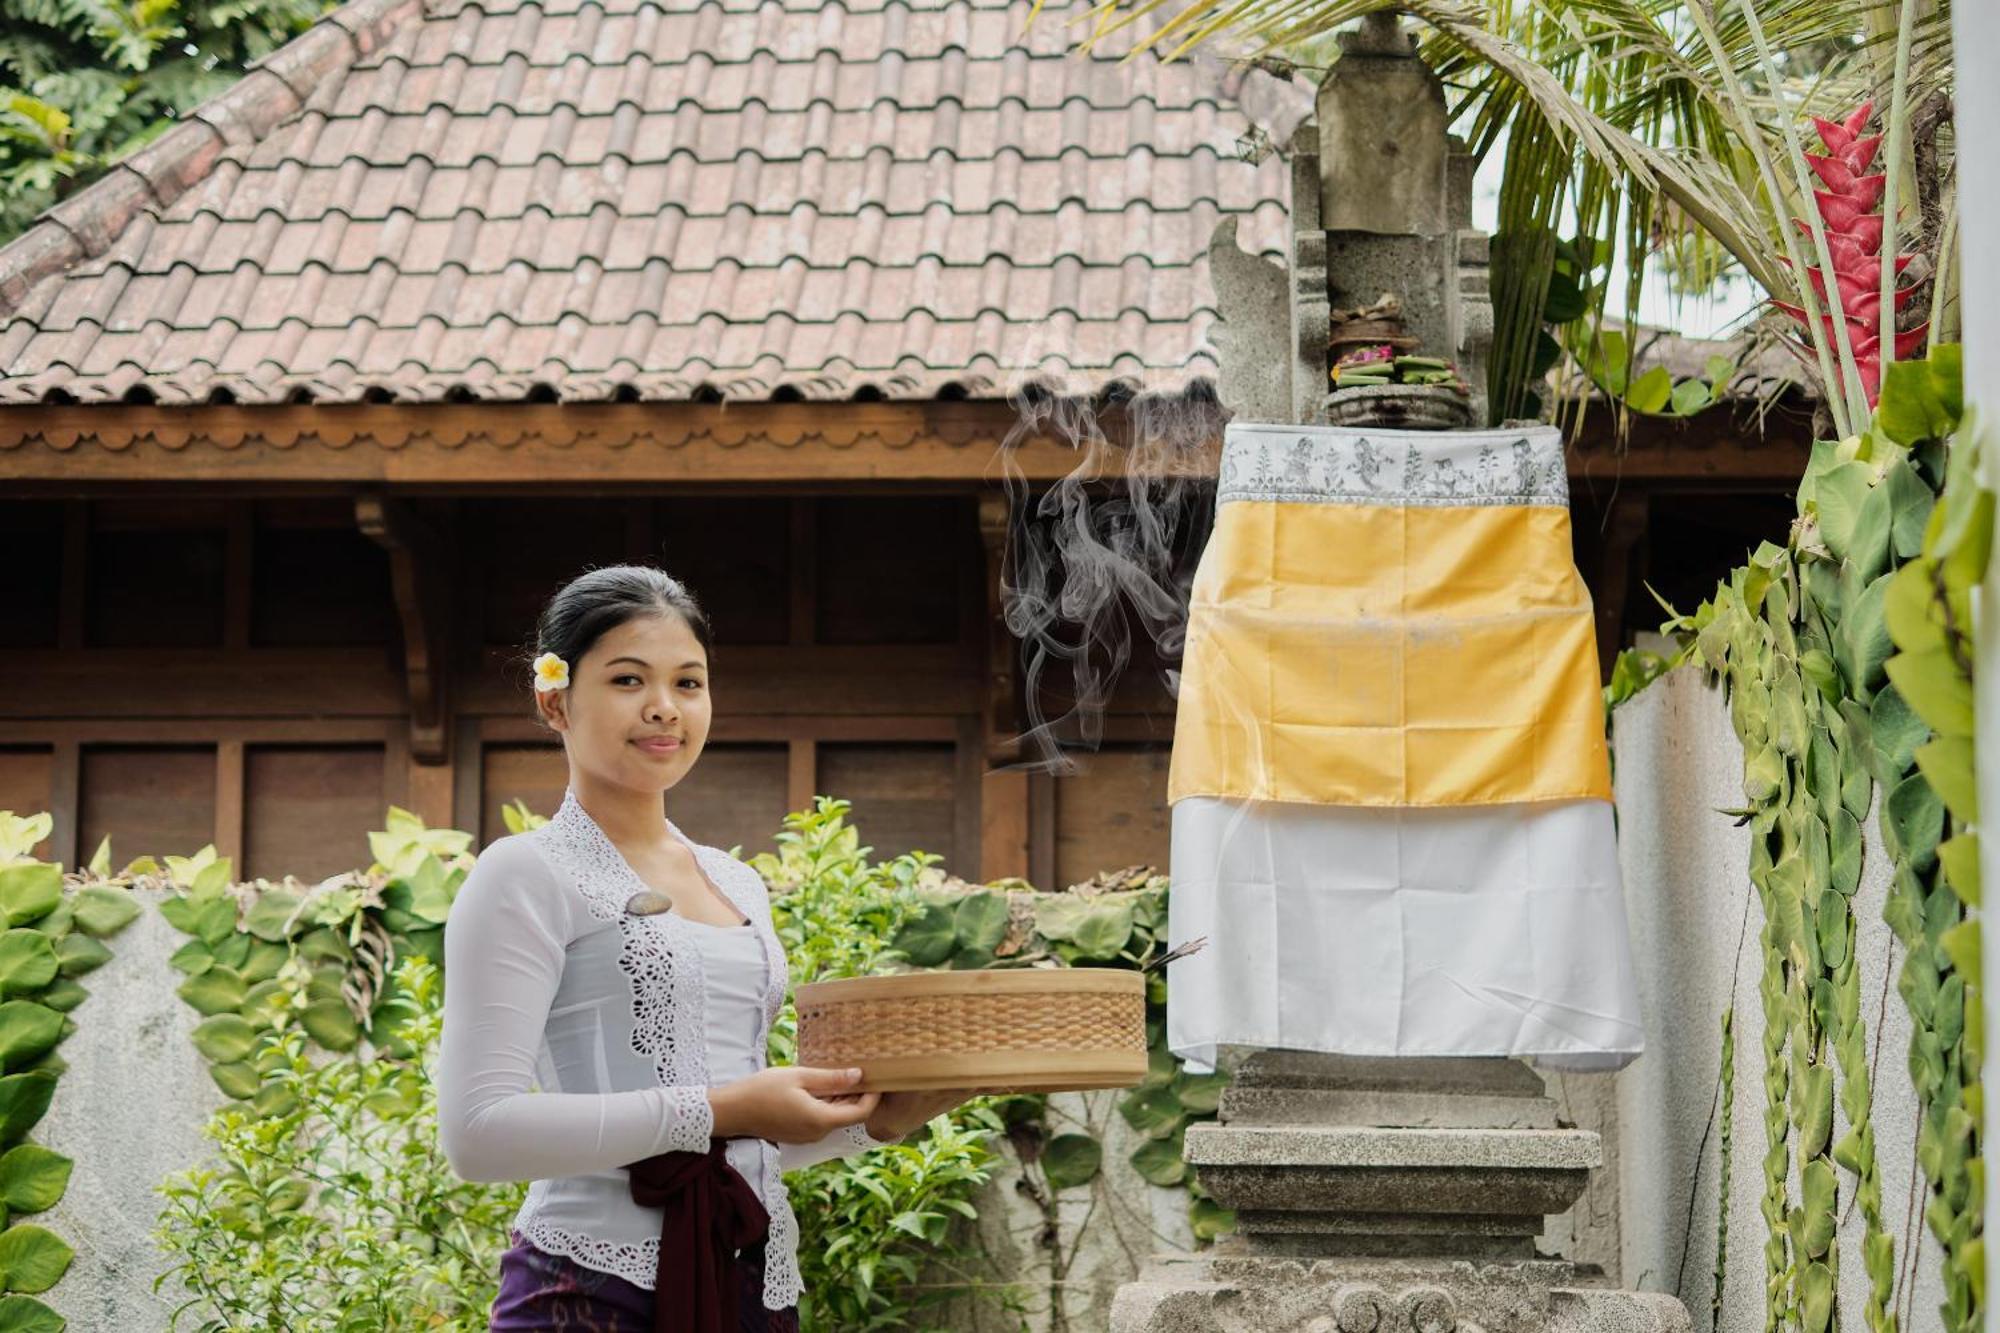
(231, 670)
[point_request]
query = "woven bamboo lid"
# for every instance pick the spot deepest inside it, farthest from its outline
(1011, 1030)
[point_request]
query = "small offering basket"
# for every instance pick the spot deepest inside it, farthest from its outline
(1001, 1030)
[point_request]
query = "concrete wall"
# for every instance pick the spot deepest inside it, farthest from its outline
(128, 1112)
(1695, 923)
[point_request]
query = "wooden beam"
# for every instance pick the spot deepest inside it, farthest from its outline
(801, 773)
(1001, 713)
(229, 796)
(1624, 530)
(528, 446)
(65, 796)
(419, 569)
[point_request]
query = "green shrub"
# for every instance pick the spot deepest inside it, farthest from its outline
(337, 1212)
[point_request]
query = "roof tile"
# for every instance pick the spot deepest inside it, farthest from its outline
(479, 195)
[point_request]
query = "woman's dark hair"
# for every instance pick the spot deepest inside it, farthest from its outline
(597, 601)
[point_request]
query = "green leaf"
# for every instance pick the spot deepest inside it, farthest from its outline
(1199, 1093)
(27, 961)
(192, 958)
(1947, 764)
(1209, 1219)
(216, 991)
(1913, 821)
(1690, 397)
(1818, 1197)
(1936, 689)
(1961, 945)
(103, 911)
(29, 890)
(1910, 409)
(237, 1080)
(1910, 502)
(210, 919)
(78, 954)
(25, 1314)
(1650, 392)
(262, 961)
(1845, 852)
(1864, 637)
(1159, 1161)
(330, 1024)
(1895, 731)
(1154, 1112)
(1868, 544)
(62, 995)
(267, 916)
(32, 1178)
(327, 943)
(1104, 928)
(1815, 1297)
(225, 1038)
(1960, 856)
(1839, 493)
(1058, 915)
(1071, 1159)
(32, 1258)
(27, 1030)
(927, 939)
(980, 921)
(24, 1098)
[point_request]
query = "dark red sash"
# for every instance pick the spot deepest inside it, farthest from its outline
(711, 1212)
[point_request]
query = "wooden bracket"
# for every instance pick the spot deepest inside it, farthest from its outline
(419, 560)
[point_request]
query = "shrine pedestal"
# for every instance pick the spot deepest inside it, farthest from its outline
(1385, 1196)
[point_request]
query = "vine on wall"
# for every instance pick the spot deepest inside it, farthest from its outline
(1805, 639)
(53, 932)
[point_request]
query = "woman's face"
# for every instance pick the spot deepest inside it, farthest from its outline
(636, 712)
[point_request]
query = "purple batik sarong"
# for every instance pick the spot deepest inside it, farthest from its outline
(540, 1292)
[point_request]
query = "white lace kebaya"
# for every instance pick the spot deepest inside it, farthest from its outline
(550, 981)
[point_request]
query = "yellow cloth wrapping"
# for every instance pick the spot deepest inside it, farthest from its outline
(1390, 786)
(1409, 645)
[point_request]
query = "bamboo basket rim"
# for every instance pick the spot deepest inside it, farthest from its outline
(1019, 980)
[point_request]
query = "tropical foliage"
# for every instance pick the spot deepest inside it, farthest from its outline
(84, 82)
(1847, 658)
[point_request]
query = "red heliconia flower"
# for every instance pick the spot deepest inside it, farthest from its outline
(1850, 209)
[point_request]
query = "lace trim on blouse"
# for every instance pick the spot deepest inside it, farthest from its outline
(669, 1024)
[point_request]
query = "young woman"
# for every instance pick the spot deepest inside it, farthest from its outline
(632, 974)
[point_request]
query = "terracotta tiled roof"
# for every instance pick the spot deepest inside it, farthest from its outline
(592, 199)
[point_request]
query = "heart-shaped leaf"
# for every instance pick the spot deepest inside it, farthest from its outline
(27, 1030)
(78, 954)
(27, 961)
(1071, 1159)
(24, 1098)
(32, 1258)
(216, 991)
(29, 890)
(32, 1178)
(225, 1037)
(25, 1314)
(99, 910)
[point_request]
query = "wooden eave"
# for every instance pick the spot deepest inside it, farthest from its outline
(499, 447)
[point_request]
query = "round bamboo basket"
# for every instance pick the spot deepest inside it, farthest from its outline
(1020, 1030)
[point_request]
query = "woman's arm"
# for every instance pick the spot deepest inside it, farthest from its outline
(503, 948)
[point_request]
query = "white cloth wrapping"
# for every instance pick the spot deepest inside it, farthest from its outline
(1460, 930)
(550, 982)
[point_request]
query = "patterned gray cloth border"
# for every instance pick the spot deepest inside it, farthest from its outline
(1520, 465)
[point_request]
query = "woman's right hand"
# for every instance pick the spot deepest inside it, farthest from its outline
(787, 1104)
